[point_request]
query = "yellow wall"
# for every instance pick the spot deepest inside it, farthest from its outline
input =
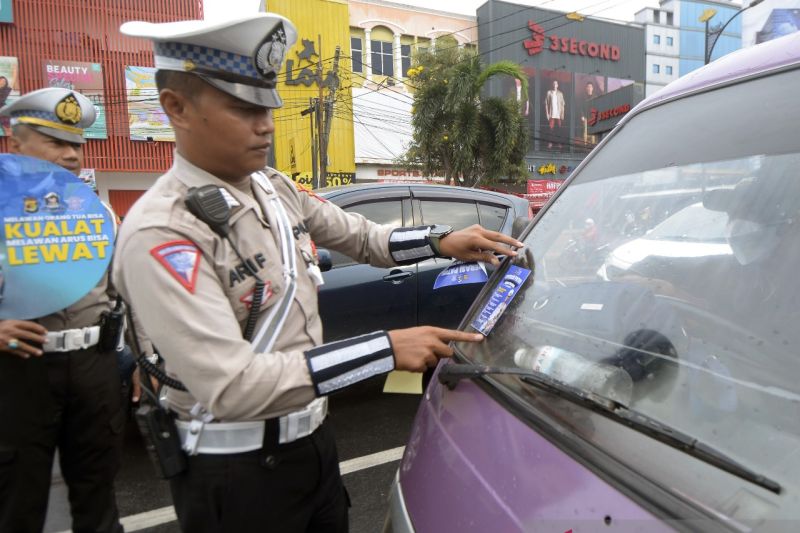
(328, 19)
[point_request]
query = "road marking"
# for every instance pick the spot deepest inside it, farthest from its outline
(368, 461)
(164, 515)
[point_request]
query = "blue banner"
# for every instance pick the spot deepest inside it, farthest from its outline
(6, 11)
(460, 273)
(57, 238)
(500, 299)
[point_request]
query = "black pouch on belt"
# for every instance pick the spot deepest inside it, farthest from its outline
(161, 439)
(112, 325)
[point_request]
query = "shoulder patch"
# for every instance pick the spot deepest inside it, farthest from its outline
(302, 188)
(181, 259)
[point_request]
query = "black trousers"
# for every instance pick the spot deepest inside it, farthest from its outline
(293, 488)
(70, 401)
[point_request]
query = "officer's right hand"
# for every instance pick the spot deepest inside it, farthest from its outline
(16, 332)
(417, 349)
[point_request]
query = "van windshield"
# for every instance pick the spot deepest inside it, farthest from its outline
(664, 276)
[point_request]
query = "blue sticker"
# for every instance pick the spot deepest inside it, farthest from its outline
(57, 238)
(500, 299)
(460, 273)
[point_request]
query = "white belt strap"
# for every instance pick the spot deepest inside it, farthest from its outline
(198, 436)
(221, 438)
(269, 328)
(304, 422)
(70, 340)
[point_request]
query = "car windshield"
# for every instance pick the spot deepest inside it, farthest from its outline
(664, 276)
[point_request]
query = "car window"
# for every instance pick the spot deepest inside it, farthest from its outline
(674, 266)
(492, 216)
(456, 214)
(378, 211)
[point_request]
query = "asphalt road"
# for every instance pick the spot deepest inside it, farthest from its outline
(371, 428)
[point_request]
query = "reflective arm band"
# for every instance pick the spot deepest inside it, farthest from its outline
(410, 245)
(338, 364)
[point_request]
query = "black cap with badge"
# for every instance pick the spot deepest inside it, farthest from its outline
(241, 57)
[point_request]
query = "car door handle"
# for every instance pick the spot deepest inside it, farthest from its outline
(397, 276)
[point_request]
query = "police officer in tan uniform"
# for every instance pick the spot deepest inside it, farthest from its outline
(57, 388)
(232, 303)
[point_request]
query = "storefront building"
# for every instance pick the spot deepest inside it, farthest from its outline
(574, 65)
(64, 43)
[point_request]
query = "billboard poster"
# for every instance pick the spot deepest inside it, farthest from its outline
(540, 191)
(9, 85)
(85, 78)
(587, 88)
(769, 20)
(6, 11)
(555, 109)
(146, 120)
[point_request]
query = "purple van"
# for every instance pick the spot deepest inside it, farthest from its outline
(652, 381)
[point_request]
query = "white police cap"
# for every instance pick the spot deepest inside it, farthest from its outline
(57, 112)
(241, 57)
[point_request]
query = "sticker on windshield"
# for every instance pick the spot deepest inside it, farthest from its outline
(500, 299)
(460, 273)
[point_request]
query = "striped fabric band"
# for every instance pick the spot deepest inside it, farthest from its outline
(410, 245)
(342, 363)
(204, 56)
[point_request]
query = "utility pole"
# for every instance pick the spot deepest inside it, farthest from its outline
(312, 113)
(318, 177)
(328, 119)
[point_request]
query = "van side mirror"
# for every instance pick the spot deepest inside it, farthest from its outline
(325, 261)
(519, 225)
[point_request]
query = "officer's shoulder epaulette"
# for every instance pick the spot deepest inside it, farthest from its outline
(297, 186)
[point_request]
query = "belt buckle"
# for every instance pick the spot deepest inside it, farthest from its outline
(73, 339)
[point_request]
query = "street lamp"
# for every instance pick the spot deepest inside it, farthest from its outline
(707, 15)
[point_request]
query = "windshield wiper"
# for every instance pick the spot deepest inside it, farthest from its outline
(451, 374)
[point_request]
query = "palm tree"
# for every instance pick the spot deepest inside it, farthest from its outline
(457, 132)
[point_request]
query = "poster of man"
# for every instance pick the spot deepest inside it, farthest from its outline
(146, 119)
(556, 85)
(587, 88)
(9, 89)
(85, 78)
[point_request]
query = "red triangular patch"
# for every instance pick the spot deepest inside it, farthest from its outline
(181, 259)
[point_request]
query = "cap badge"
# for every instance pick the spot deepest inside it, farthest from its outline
(188, 65)
(269, 55)
(69, 110)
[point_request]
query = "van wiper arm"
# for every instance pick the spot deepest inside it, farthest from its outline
(450, 374)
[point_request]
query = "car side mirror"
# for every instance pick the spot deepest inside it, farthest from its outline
(519, 225)
(325, 260)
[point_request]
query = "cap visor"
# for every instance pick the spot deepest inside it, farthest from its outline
(58, 134)
(248, 93)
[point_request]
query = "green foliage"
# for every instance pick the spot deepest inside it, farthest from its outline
(458, 132)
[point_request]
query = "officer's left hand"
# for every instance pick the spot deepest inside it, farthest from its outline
(476, 243)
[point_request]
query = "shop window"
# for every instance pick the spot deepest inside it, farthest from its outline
(382, 59)
(357, 51)
(405, 58)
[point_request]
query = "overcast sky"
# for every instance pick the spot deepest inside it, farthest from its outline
(613, 9)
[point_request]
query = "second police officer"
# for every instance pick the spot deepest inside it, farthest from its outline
(59, 382)
(218, 261)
